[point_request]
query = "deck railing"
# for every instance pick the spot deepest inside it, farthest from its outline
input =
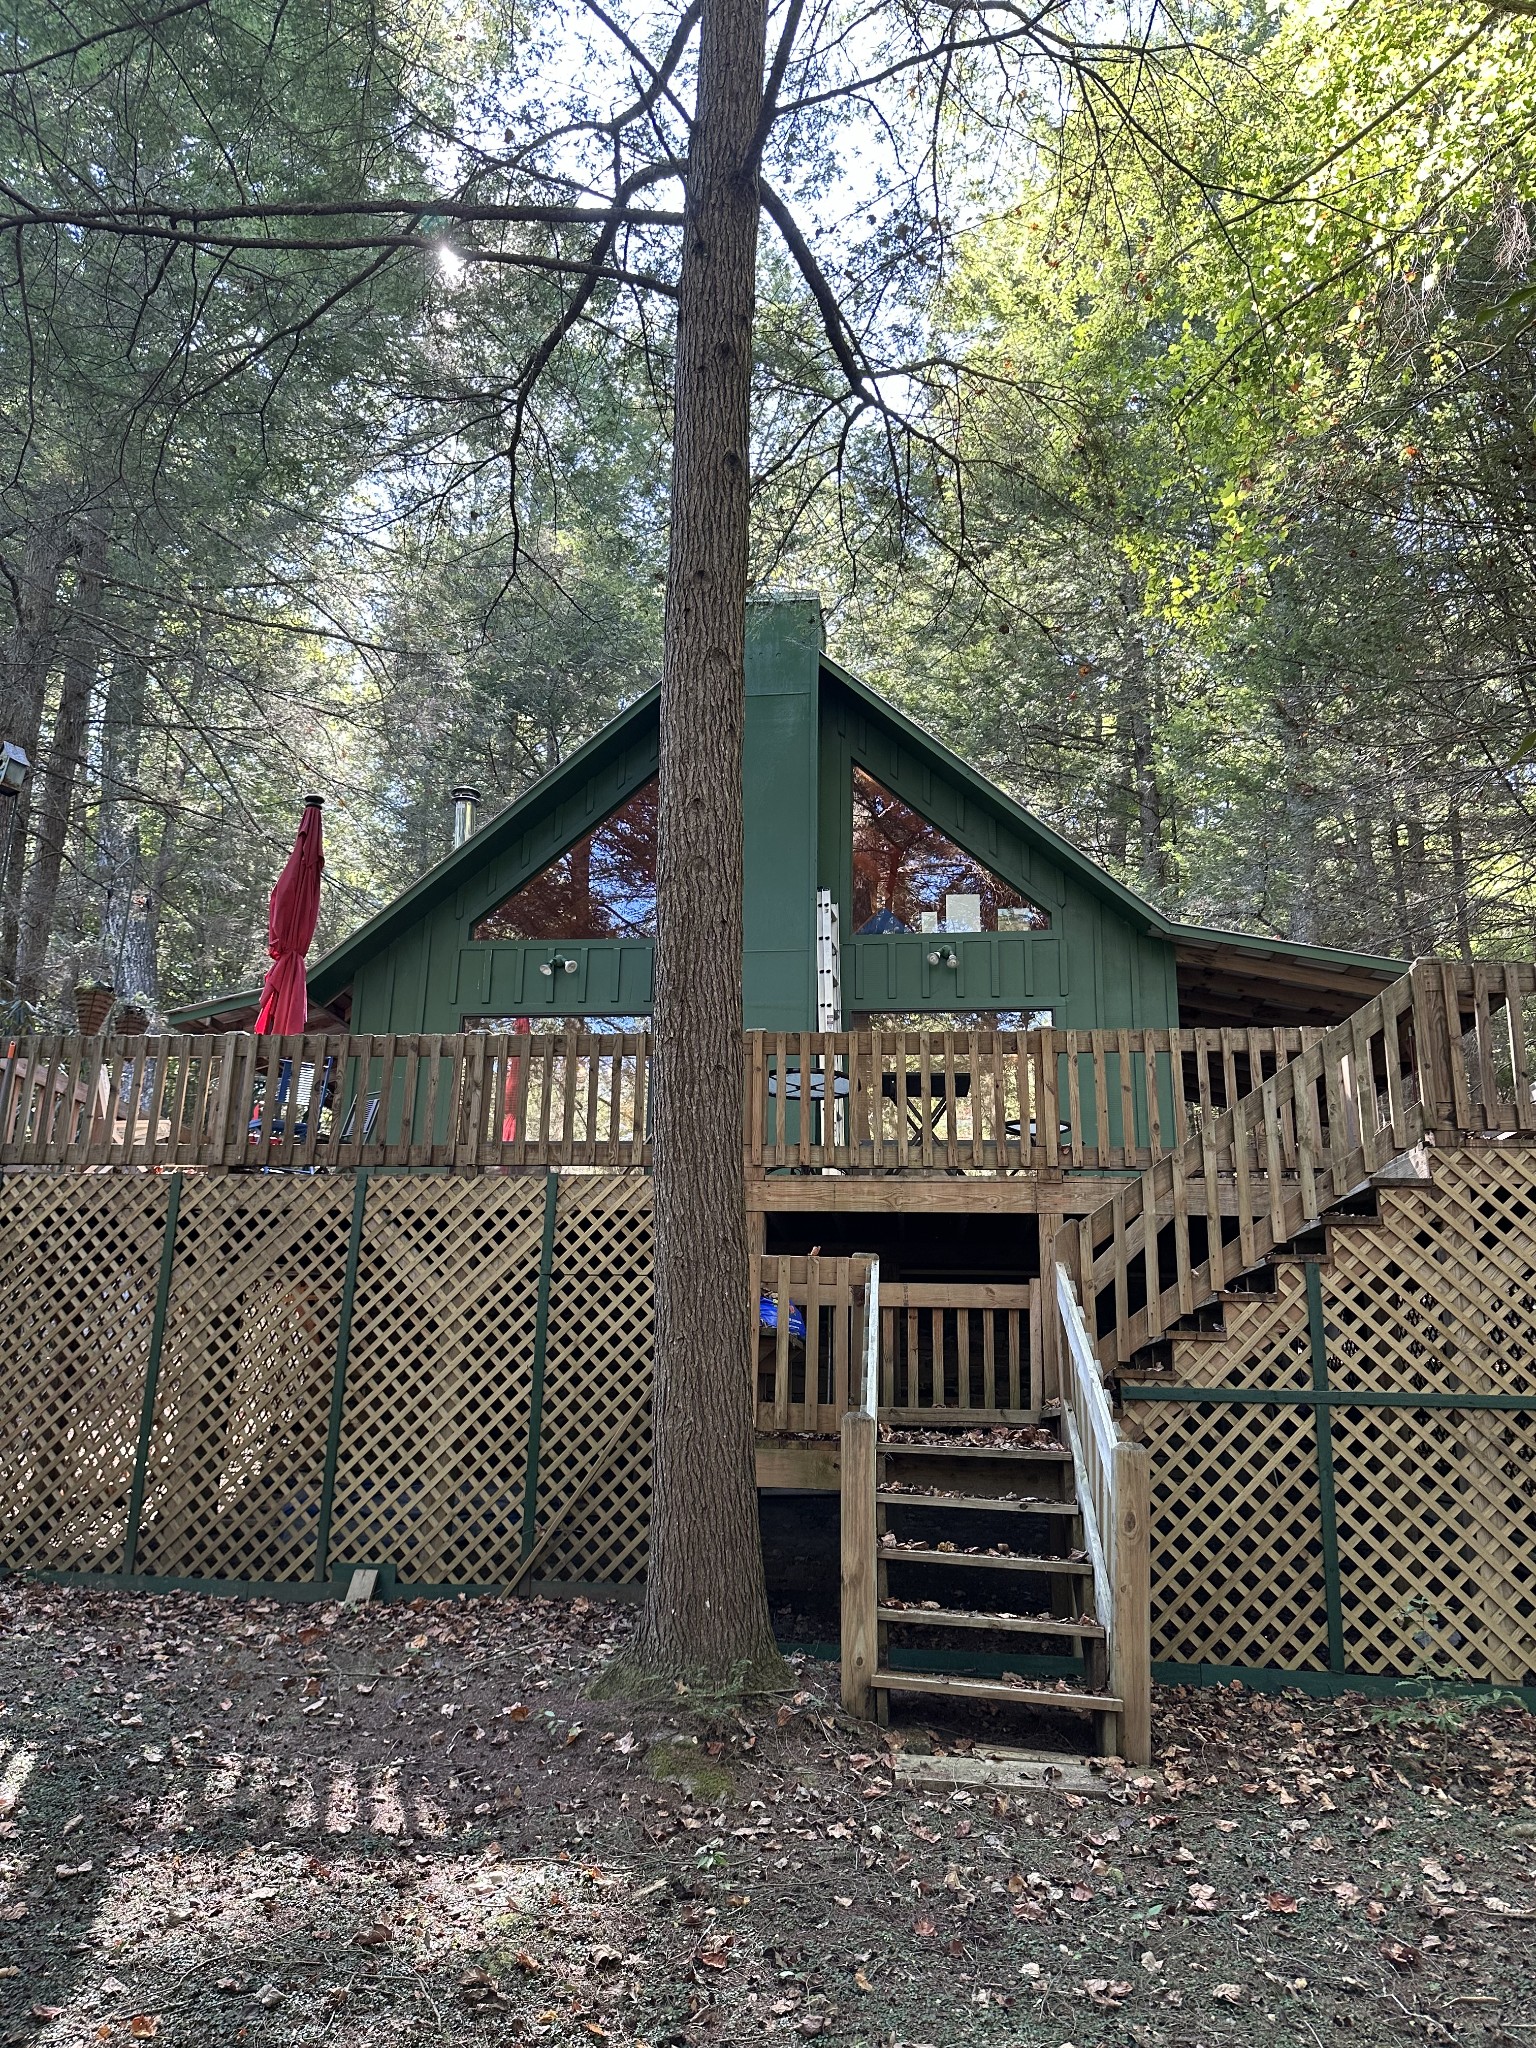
(995, 1101)
(808, 1320)
(979, 1101)
(956, 1350)
(474, 1099)
(950, 1350)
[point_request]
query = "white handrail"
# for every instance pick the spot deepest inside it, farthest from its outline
(869, 1405)
(1086, 1375)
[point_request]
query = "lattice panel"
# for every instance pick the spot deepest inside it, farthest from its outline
(1266, 1344)
(595, 1467)
(79, 1262)
(1442, 1297)
(243, 1404)
(1236, 1546)
(435, 1425)
(1437, 1540)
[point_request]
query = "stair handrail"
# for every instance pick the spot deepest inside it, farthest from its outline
(869, 1404)
(1311, 1133)
(1113, 1486)
(1091, 1433)
(860, 1644)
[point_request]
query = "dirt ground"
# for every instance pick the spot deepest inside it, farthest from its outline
(243, 1822)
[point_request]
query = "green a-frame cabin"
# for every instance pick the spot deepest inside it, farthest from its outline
(953, 900)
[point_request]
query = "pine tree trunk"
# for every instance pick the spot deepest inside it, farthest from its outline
(706, 1614)
(29, 649)
(82, 655)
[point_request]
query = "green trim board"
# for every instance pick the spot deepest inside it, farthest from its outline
(152, 1374)
(303, 1592)
(1329, 1685)
(1321, 1397)
(1110, 959)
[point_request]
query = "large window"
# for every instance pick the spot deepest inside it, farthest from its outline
(908, 876)
(603, 887)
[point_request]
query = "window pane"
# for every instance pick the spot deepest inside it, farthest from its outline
(908, 876)
(604, 887)
(541, 1023)
(951, 1020)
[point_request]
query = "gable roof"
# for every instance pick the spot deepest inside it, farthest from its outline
(331, 975)
(1221, 970)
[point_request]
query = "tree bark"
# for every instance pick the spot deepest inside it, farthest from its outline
(60, 772)
(29, 649)
(706, 1612)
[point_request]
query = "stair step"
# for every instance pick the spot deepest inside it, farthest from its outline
(959, 1418)
(1054, 1454)
(963, 1617)
(1057, 1567)
(969, 1500)
(991, 1689)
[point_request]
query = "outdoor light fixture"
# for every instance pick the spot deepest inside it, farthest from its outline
(557, 966)
(15, 770)
(946, 956)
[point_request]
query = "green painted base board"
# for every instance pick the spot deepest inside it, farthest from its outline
(1324, 1685)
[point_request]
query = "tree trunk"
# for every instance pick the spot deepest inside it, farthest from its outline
(25, 676)
(119, 836)
(82, 655)
(706, 1612)
(1137, 713)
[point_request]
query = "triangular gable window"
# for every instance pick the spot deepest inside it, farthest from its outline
(908, 876)
(603, 887)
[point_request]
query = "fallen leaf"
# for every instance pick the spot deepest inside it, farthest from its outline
(376, 1936)
(1280, 1902)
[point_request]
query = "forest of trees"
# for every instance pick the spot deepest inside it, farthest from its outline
(1153, 411)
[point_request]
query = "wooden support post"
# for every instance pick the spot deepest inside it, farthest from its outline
(1432, 1045)
(860, 1629)
(1130, 1648)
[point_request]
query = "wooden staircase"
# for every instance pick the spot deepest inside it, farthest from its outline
(958, 1494)
(1443, 1056)
(1014, 1530)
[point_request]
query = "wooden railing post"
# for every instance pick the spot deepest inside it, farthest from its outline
(860, 1626)
(1432, 1044)
(1130, 1643)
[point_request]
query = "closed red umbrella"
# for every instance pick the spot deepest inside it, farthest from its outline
(291, 916)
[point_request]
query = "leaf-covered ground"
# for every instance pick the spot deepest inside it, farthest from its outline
(244, 1822)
